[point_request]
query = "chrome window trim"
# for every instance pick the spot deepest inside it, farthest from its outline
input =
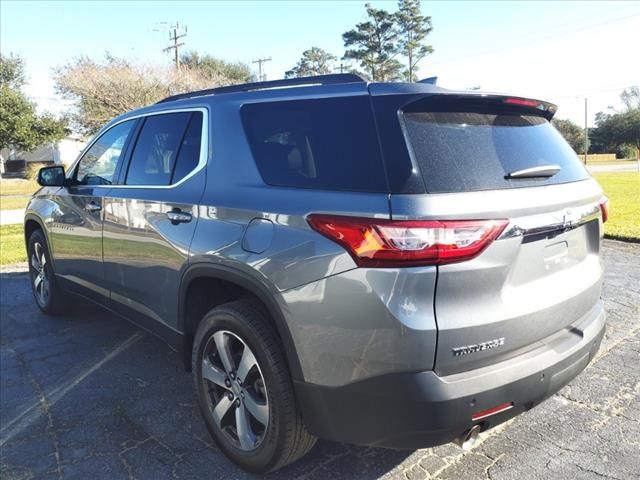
(559, 220)
(204, 146)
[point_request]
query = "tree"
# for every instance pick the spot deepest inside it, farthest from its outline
(631, 97)
(314, 61)
(620, 129)
(104, 90)
(374, 44)
(413, 28)
(20, 126)
(572, 133)
(214, 68)
(12, 72)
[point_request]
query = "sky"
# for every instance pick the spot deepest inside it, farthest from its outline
(562, 52)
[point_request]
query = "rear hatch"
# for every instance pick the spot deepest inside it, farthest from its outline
(488, 157)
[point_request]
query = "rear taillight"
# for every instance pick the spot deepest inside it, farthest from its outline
(604, 208)
(397, 243)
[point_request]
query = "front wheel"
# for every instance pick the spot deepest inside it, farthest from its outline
(244, 389)
(48, 295)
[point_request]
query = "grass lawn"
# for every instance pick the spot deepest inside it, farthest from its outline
(623, 190)
(18, 187)
(12, 245)
(13, 202)
(15, 193)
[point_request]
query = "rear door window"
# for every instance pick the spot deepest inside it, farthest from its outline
(470, 151)
(319, 143)
(158, 146)
(189, 153)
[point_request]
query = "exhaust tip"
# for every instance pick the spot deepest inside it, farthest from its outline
(468, 439)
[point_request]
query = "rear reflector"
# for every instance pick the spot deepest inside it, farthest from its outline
(491, 411)
(604, 208)
(398, 243)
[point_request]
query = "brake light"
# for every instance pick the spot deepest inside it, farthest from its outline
(398, 243)
(523, 102)
(604, 208)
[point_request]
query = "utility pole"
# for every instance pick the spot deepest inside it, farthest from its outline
(176, 45)
(261, 77)
(586, 132)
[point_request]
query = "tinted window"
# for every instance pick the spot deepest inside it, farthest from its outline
(321, 143)
(189, 153)
(459, 151)
(156, 149)
(99, 163)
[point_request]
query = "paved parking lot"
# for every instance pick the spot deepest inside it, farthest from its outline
(90, 396)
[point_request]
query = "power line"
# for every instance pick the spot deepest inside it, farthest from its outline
(176, 45)
(261, 77)
(536, 40)
(580, 93)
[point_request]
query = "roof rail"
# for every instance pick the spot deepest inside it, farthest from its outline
(334, 78)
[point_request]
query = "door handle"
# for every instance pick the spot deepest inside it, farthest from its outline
(178, 216)
(92, 207)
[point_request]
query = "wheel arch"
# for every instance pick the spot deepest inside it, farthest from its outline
(32, 223)
(248, 284)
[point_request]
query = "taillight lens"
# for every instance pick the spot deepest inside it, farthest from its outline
(528, 102)
(523, 102)
(397, 243)
(604, 208)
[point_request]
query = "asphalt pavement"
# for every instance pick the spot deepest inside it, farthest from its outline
(89, 396)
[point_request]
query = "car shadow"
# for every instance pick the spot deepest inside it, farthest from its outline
(119, 403)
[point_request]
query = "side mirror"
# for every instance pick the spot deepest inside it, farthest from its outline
(51, 177)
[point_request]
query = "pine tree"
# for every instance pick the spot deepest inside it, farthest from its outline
(413, 28)
(314, 61)
(374, 44)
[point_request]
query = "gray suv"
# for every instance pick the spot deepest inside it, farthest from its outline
(395, 265)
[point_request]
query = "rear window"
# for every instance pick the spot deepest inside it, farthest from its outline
(320, 143)
(471, 151)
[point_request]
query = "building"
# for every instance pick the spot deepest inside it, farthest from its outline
(64, 152)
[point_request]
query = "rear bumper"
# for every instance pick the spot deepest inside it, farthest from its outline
(416, 410)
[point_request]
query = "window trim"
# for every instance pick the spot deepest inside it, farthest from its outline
(204, 147)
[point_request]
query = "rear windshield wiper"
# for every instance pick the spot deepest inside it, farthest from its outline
(533, 172)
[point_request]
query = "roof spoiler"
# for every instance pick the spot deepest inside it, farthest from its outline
(429, 80)
(470, 102)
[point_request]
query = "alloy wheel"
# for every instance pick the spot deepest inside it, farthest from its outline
(235, 390)
(39, 274)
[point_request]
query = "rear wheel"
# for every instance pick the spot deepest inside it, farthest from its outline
(245, 391)
(48, 295)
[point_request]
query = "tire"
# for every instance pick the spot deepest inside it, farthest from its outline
(265, 394)
(47, 293)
